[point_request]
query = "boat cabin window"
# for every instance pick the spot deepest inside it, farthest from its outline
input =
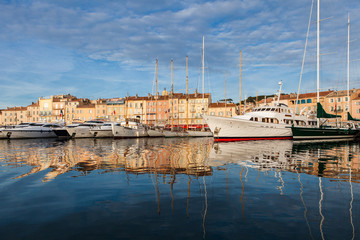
(300, 123)
(273, 109)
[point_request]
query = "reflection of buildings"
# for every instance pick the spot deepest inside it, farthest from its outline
(161, 156)
(330, 160)
(181, 156)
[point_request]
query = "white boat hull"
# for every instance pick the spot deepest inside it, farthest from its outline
(2, 134)
(169, 134)
(155, 133)
(102, 133)
(80, 132)
(23, 133)
(232, 129)
(126, 132)
(199, 133)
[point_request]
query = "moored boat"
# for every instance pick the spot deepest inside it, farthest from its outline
(130, 128)
(263, 123)
(35, 130)
(83, 129)
(103, 131)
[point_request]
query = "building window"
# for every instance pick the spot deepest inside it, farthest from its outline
(302, 101)
(308, 100)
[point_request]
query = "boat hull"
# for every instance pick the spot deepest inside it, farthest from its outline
(170, 134)
(126, 132)
(21, 134)
(302, 133)
(102, 133)
(155, 133)
(199, 133)
(80, 132)
(232, 129)
(62, 133)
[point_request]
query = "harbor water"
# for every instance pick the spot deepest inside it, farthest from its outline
(181, 188)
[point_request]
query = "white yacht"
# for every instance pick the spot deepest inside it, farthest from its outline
(103, 131)
(263, 123)
(130, 128)
(33, 130)
(83, 129)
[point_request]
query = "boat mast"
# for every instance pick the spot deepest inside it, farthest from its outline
(348, 66)
(318, 57)
(187, 95)
(203, 81)
(172, 99)
(203, 66)
(225, 94)
(318, 52)
(240, 84)
(156, 93)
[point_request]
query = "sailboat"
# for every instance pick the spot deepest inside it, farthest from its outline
(201, 132)
(322, 132)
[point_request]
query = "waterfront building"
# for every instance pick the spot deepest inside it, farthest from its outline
(355, 106)
(100, 108)
(194, 103)
(33, 112)
(14, 115)
(162, 109)
(115, 109)
(337, 102)
(85, 111)
(135, 107)
(222, 110)
(52, 109)
(307, 102)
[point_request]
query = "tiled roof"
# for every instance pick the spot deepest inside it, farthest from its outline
(16, 109)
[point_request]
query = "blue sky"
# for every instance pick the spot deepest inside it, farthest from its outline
(104, 49)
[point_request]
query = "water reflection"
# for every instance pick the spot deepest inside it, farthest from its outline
(194, 187)
(338, 160)
(161, 156)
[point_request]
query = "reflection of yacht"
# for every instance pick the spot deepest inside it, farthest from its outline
(130, 128)
(103, 131)
(34, 130)
(260, 154)
(263, 123)
(83, 129)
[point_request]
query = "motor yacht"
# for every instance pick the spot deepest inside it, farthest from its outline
(83, 129)
(33, 130)
(130, 128)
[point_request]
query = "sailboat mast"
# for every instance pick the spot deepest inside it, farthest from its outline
(172, 99)
(187, 95)
(240, 83)
(203, 66)
(225, 93)
(348, 66)
(156, 94)
(318, 52)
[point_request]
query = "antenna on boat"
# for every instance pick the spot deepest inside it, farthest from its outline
(278, 100)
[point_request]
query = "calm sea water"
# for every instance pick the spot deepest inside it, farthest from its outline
(178, 189)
